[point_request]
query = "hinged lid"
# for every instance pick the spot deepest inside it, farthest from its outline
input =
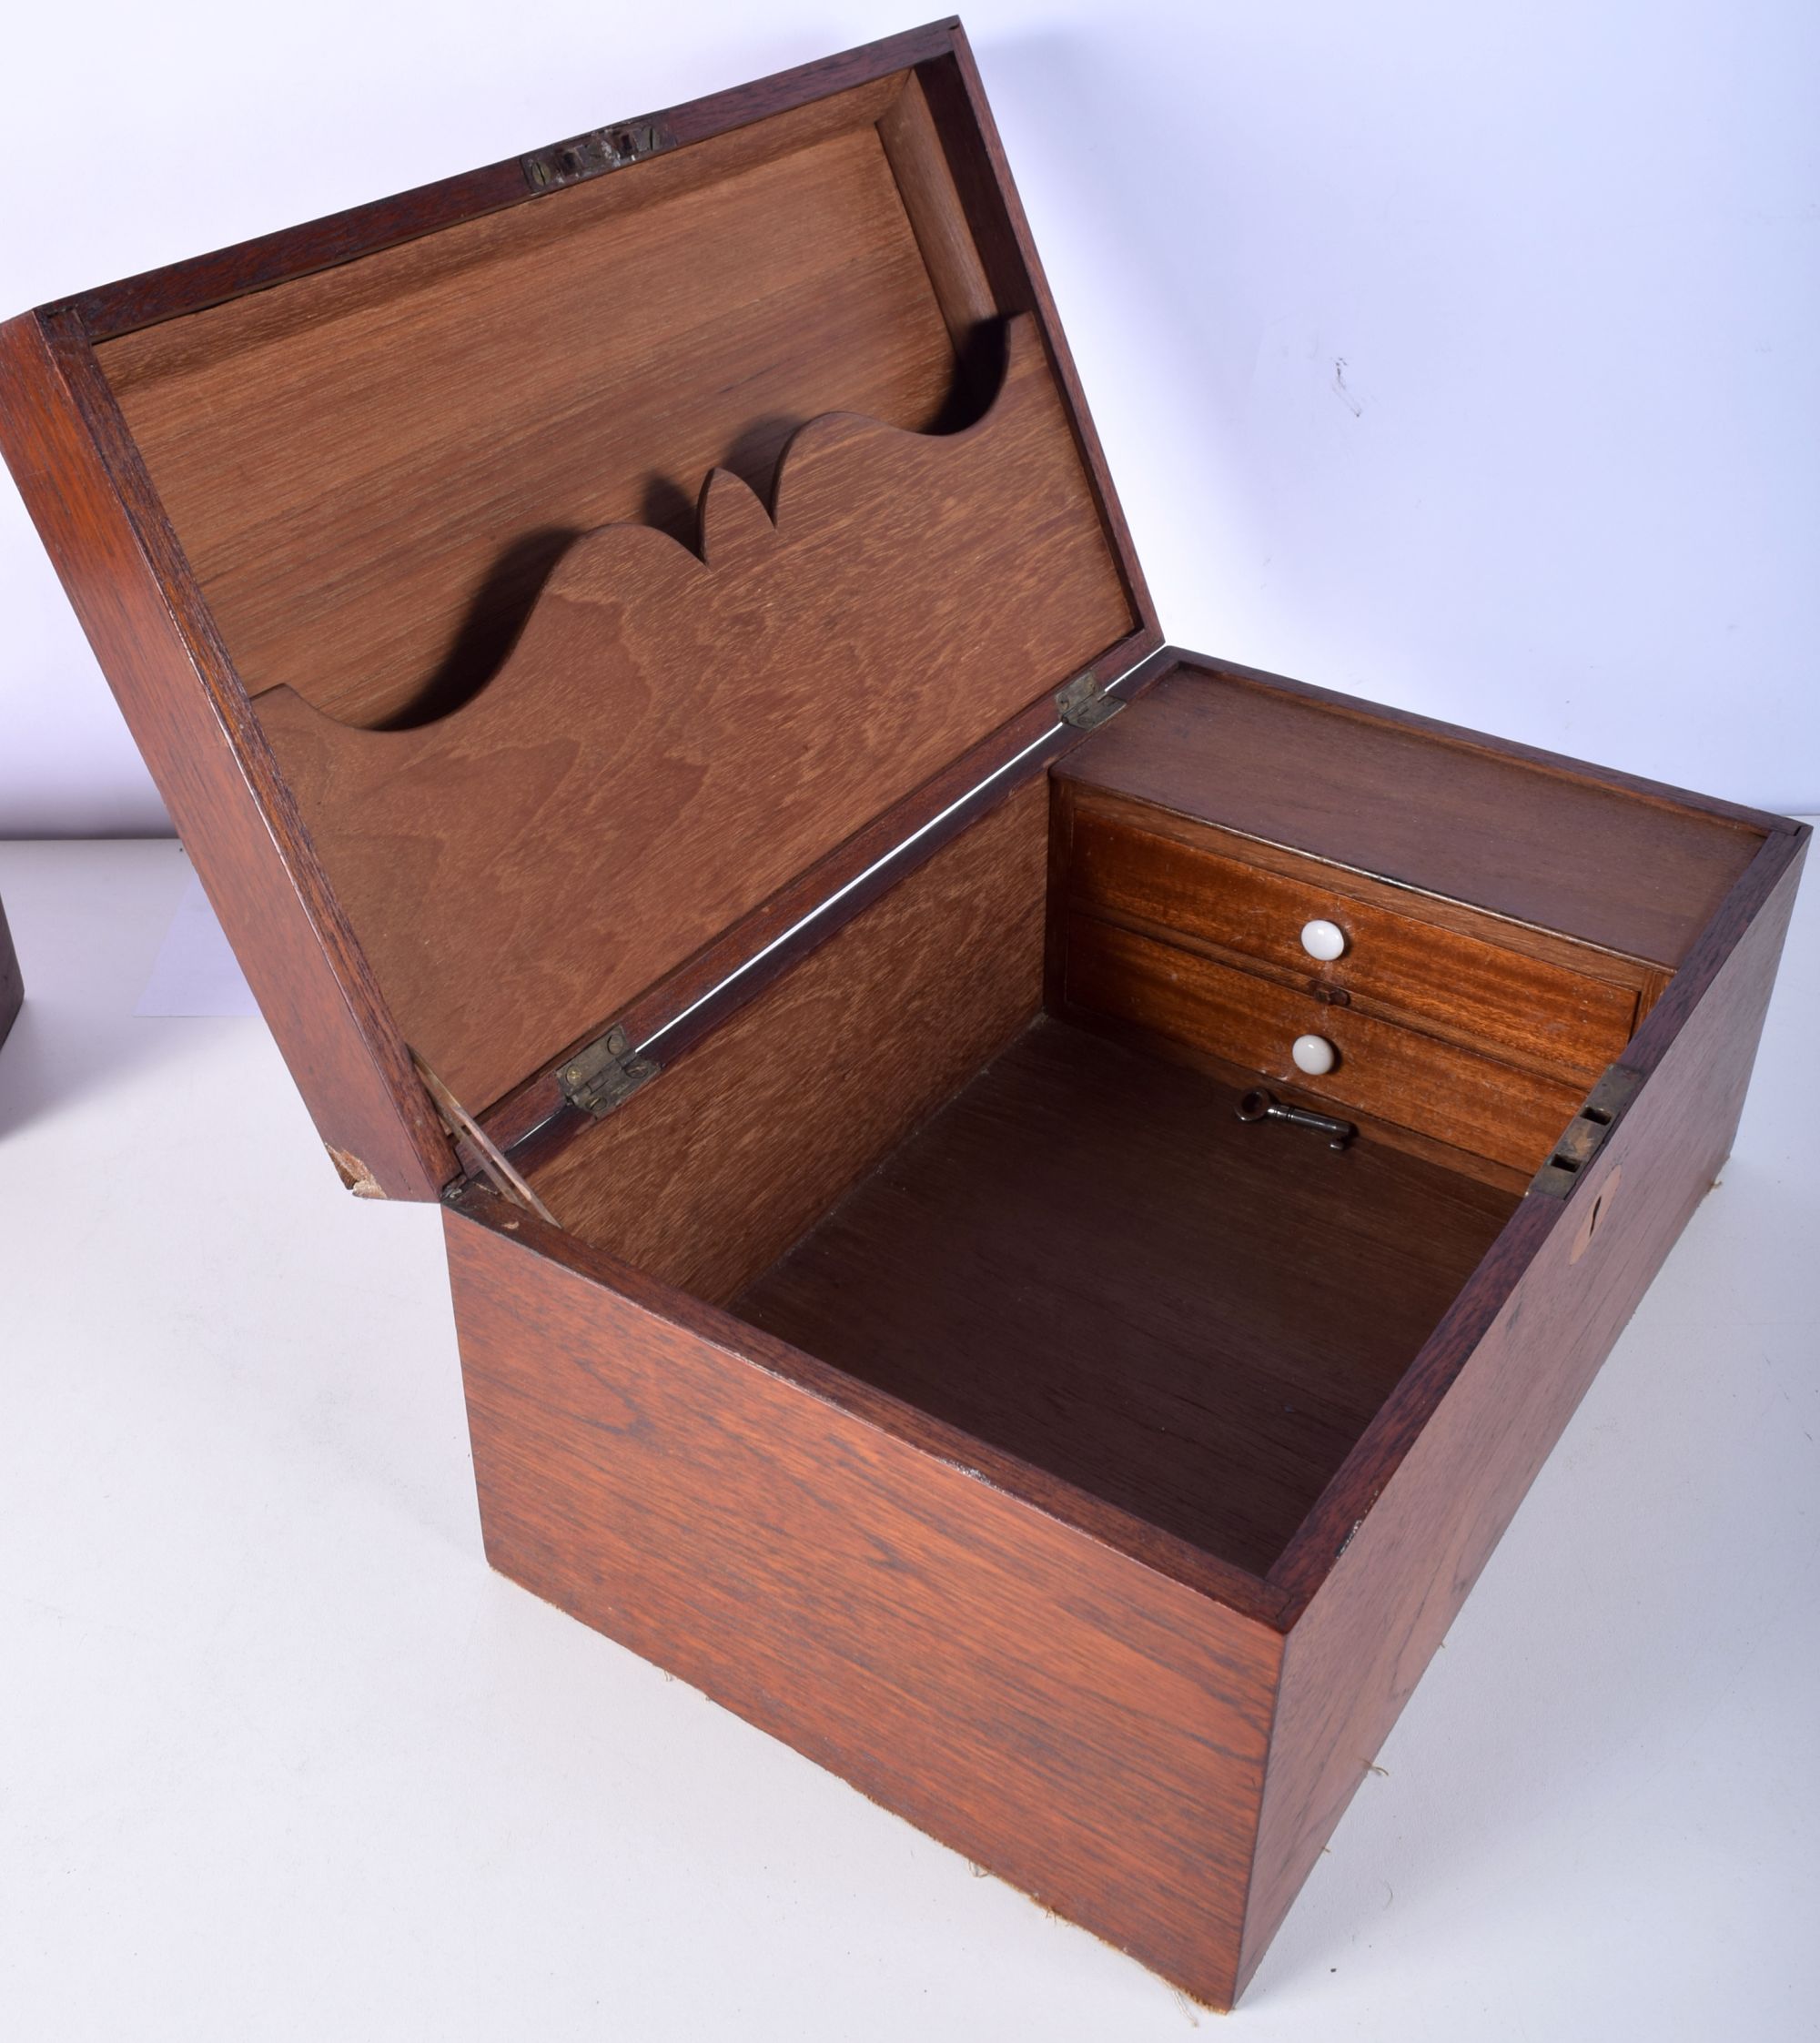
(482, 717)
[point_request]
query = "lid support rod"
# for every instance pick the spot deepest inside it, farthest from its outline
(505, 1181)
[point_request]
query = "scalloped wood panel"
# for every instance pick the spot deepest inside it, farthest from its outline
(675, 735)
(373, 467)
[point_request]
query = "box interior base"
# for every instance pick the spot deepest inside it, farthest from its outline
(1087, 1260)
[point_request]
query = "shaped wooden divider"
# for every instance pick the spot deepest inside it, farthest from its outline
(673, 737)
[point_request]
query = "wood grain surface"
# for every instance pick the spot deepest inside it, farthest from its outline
(375, 467)
(628, 1475)
(1400, 1422)
(374, 464)
(686, 1005)
(1458, 1097)
(1566, 848)
(1381, 1608)
(912, 146)
(1293, 1092)
(127, 582)
(1078, 1724)
(377, 431)
(1083, 1474)
(711, 1172)
(999, 230)
(1462, 978)
(182, 288)
(1087, 1260)
(674, 737)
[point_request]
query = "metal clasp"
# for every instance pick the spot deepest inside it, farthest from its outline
(591, 155)
(1586, 1133)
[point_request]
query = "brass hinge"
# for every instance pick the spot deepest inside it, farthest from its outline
(1084, 704)
(1586, 1132)
(598, 1078)
(588, 156)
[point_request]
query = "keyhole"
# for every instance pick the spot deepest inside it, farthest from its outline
(1595, 1213)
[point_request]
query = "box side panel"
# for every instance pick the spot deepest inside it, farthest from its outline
(705, 1178)
(126, 581)
(1355, 1654)
(1089, 1731)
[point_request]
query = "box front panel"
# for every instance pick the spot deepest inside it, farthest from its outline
(1087, 1729)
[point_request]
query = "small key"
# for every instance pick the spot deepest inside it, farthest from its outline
(1264, 1105)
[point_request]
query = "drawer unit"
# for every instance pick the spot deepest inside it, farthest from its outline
(1474, 979)
(1456, 1095)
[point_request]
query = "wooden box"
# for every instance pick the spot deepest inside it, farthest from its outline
(642, 646)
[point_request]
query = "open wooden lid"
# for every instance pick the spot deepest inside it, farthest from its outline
(536, 717)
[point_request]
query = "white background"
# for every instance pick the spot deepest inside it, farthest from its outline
(1563, 488)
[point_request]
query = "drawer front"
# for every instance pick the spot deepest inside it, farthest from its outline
(1395, 1074)
(1465, 987)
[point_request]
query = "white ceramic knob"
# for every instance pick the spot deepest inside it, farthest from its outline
(1324, 940)
(1314, 1054)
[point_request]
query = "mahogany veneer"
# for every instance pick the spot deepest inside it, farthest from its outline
(643, 647)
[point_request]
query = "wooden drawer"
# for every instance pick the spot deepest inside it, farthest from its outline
(1396, 1073)
(1451, 981)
